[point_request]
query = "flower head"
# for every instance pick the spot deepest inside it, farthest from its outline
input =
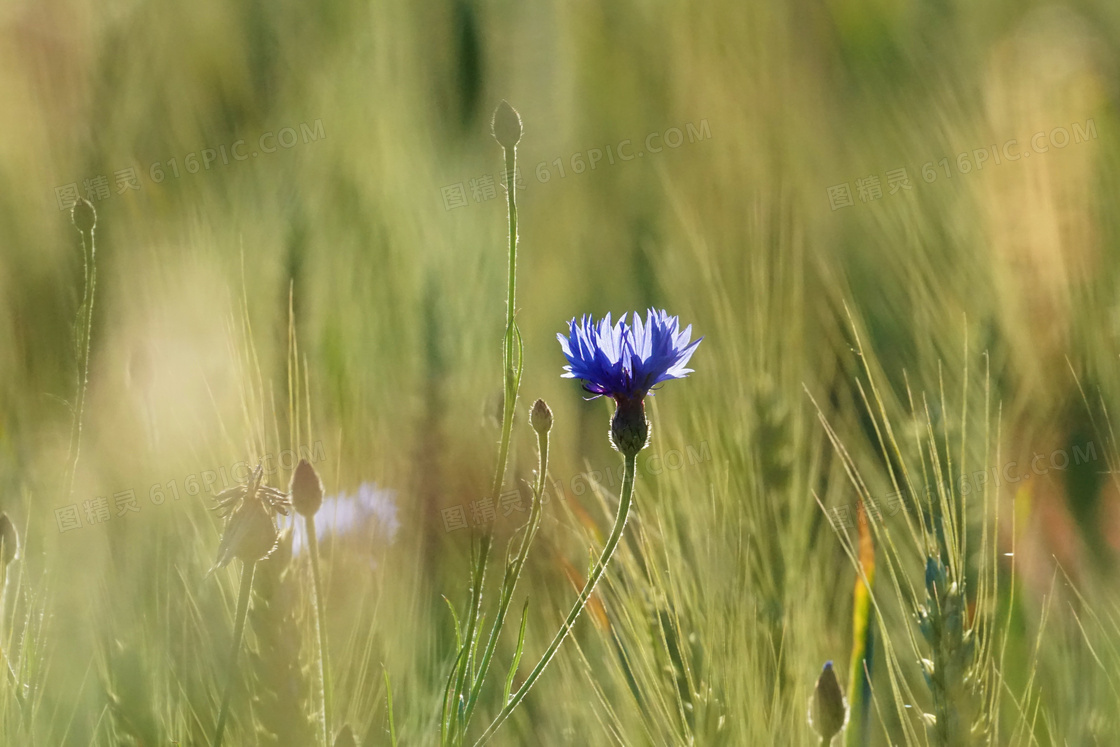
(506, 125)
(83, 216)
(828, 709)
(625, 361)
(540, 417)
(306, 489)
(250, 532)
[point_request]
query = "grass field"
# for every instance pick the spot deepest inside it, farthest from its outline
(891, 223)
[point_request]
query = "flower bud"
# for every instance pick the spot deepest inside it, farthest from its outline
(9, 539)
(306, 489)
(828, 710)
(540, 417)
(506, 125)
(629, 427)
(83, 216)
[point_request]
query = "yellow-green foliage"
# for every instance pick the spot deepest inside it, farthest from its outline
(327, 300)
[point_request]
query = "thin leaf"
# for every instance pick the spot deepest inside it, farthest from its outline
(516, 653)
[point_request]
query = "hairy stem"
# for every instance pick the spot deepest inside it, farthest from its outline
(247, 570)
(86, 323)
(321, 629)
(511, 382)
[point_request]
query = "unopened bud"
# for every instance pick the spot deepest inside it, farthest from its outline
(83, 216)
(306, 489)
(540, 417)
(506, 125)
(828, 711)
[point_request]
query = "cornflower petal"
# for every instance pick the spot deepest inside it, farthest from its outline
(627, 359)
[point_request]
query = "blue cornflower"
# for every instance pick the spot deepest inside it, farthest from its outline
(625, 361)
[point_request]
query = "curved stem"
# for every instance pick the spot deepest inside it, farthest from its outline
(321, 628)
(247, 570)
(624, 502)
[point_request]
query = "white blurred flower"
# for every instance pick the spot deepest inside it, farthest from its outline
(368, 516)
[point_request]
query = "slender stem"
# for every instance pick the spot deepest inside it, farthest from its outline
(466, 661)
(624, 502)
(16, 689)
(511, 203)
(89, 262)
(247, 570)
(510, 378)
(321, 628)
(511, 381)
(3, 593)
(513, 573)
(389, 708)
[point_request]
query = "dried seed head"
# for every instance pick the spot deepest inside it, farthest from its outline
(828, 710)
(540, 417)
(282, 554)
(506, 125)
(306, 489)
(9, 539)
(250, 533)
(83, 216)
(258, 538)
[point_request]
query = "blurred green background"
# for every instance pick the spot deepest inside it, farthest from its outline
(376, 241)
